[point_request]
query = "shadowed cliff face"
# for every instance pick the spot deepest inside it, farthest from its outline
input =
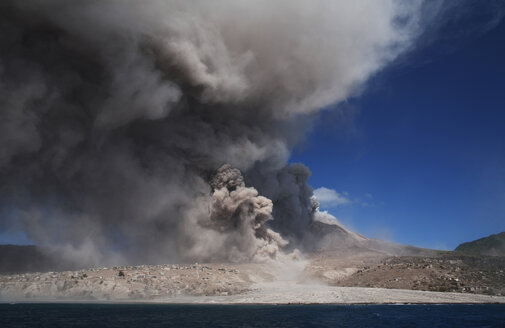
(116, 115)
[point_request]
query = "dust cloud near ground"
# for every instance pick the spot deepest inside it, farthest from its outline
(344, 267)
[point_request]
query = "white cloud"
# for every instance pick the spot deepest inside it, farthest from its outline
(331, 198)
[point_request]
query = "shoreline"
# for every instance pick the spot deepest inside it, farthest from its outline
(295, 295)
(237, 304)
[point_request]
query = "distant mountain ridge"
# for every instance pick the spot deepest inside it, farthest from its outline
(492, 245)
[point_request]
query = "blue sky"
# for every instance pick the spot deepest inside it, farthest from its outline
(420, 153)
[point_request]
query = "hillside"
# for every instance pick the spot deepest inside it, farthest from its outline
(492, 245)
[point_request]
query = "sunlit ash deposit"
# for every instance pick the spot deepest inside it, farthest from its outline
(159, 131)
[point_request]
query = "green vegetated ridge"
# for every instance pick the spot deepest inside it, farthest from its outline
(491, 245)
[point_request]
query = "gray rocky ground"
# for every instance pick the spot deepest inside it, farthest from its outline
(443, 272)
(123, 283)
(322, 279)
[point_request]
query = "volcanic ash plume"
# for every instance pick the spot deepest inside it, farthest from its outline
(241, 214)
(116, 115)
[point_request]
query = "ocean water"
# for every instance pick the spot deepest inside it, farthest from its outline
(157, 315)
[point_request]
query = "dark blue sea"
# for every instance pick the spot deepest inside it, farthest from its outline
(151, 315)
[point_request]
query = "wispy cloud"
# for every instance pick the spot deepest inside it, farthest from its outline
(331, 198)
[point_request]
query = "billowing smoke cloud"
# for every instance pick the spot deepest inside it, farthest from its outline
(240, 215)
(116, 117)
